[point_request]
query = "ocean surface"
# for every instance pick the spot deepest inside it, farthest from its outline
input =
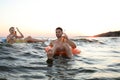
(99, 60)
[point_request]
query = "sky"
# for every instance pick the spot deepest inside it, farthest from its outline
(76, 17)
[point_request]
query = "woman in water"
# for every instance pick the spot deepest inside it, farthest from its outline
(13, 37)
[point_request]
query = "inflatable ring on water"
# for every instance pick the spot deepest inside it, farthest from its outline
(4, 40)
(74, 51)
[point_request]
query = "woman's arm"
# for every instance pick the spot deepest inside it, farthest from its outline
(21, 35)
(11, 38)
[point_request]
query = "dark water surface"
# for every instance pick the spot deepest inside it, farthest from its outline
(99, 60)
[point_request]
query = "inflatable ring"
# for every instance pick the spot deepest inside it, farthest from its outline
(74, 51)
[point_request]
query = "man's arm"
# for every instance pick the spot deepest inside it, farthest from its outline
(71, 43)
(51, 43)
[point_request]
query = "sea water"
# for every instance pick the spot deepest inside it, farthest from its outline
(99, 60)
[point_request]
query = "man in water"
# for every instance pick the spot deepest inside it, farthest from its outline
(13, 37)
(61, 46)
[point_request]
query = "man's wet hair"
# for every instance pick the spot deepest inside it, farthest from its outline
(59, 28)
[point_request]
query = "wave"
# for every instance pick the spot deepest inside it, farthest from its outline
(99, 59)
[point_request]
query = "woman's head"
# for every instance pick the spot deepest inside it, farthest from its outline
(12, 30)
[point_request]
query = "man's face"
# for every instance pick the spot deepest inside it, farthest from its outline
(59, 33)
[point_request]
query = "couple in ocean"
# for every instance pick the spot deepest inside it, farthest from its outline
(62, 46)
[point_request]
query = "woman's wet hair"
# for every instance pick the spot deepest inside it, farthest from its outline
(10, 28)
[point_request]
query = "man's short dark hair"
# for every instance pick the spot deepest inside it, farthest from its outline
(59, 28)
